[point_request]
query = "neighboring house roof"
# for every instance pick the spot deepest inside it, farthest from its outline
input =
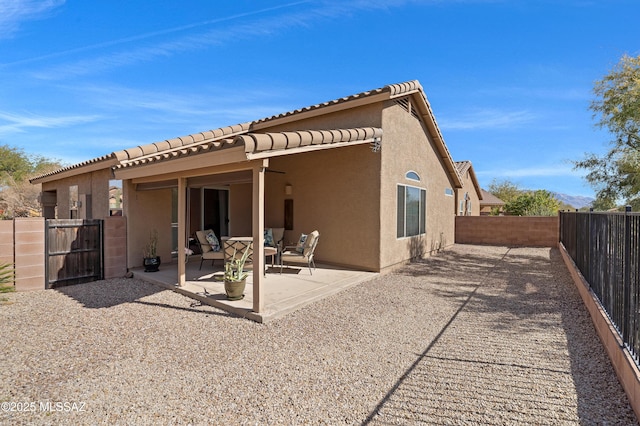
(488, 199)
(258, 144)
(465, 166)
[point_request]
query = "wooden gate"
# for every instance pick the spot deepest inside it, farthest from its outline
(74, 251)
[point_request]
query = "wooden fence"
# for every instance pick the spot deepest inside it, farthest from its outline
(23, 244)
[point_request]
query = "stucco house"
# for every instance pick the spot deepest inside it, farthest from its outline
(468, 198)
(371, 172)
(490, 204)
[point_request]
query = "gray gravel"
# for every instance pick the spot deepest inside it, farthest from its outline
(475, 335)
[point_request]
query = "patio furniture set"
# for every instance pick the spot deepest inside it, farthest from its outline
(229, 248)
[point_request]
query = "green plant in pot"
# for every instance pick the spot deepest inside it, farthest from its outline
(235, 278)
(151, 259)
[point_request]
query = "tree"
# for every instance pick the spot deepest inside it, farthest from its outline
(617, 108)
(18, 198)
(602, 203)
(533, 203)
(504, 189)
(520, 202)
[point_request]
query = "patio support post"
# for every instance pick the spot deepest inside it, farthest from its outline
(258, 234)
(182, 227)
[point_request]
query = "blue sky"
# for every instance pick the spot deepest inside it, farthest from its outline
(509, 81)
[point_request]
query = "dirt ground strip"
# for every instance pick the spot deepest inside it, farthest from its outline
(474, 335)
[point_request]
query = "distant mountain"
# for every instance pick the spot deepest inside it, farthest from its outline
(577, 201)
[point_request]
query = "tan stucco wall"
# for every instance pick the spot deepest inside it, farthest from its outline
(335, 191)
(364, 116)
(94, 183)
(240, 210)
(405, 147)
(146, 211)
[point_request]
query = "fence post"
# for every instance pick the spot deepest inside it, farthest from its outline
(626, 278)
(590, 237)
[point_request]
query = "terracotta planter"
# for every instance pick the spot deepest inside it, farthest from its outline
(234, 289)
(151, 264)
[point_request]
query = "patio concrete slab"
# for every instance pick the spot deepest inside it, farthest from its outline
(283, 293)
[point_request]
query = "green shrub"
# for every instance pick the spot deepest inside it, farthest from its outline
(6, 278)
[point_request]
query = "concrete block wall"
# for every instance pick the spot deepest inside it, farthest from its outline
(29, 253)
(22, 245)
(533, 231)
(6, 241)
(115, 247)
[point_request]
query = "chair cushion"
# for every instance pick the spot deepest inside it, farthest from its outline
(292, 256)
(301, 243)
(202, 241)
(212, 240)
(268, 238)
(310, 242)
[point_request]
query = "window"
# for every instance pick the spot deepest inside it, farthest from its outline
(411, 211)
(115, 197)
(411, 175)
(448, 191)
(73, 202)
(469, 208)
(461, 211)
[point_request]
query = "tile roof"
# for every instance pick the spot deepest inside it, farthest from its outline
(394, 90)
(227, 137)
(109, 158)
(264, 142)
(488, 199)
(465, 166)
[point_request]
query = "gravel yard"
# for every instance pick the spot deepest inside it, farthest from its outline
(475, 335)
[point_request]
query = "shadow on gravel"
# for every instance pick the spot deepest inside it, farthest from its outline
(108, 293)
(519, 294)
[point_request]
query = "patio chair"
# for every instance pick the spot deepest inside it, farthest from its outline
(302, 253)
(274, 237)
(206, 249)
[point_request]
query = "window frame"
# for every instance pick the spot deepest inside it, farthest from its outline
(402, 211)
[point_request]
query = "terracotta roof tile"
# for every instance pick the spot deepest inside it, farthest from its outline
(226, 137)
(105, 158)
(262, 142)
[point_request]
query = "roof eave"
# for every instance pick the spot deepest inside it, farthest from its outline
(96, 164)
(427, 114)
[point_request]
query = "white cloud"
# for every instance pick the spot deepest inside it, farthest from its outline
(17, 122)
(15, 12)
(226, 29)
(487, 119)
(208, 105)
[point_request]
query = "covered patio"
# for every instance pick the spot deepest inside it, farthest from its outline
(282, 293)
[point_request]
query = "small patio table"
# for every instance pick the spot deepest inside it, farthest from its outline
(269, 252)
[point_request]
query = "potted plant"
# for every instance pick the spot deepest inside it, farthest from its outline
(151, 259)
(235, 277)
